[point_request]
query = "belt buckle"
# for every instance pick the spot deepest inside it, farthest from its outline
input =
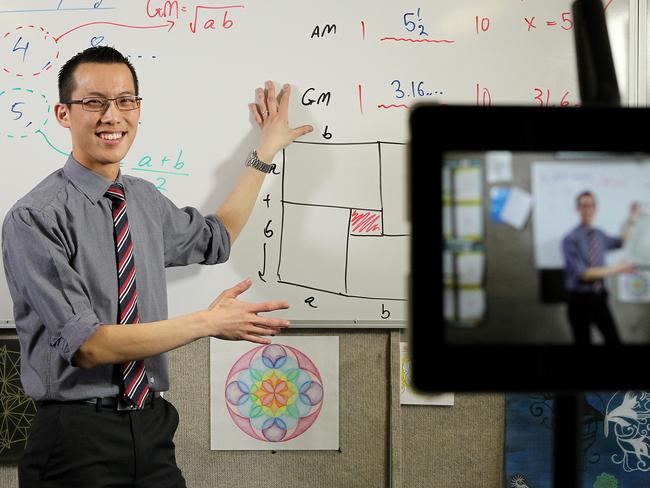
(123, 405)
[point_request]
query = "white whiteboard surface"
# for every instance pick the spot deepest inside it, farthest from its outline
(198, 66)
(615, 185)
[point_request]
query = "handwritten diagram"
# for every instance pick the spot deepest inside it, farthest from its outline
(30, 52)
(201, 18)
(344, 228)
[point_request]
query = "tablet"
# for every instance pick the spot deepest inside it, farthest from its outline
(530, 252)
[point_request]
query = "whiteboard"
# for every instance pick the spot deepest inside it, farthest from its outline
(614, 184)
(355, 68)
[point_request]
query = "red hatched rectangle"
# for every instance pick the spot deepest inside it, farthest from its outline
(365, 223)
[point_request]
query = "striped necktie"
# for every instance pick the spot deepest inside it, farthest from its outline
(594, 257)
(593, 248)
(136, 385)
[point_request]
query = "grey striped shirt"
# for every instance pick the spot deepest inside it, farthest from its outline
(59, 258)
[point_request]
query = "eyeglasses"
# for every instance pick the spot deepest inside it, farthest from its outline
(100, 104)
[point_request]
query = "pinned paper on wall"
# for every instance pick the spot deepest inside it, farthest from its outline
(463, 230)
(468, 221)
(467, 184)
(634, 287)
(281, 396)
(408, 394)
(470, 303)
(510, 205)
(498, 166)
(462, 182)
(637, 245)
(469, 270)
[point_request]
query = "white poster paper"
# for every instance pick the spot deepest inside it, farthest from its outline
(282, 396)
(408, 394)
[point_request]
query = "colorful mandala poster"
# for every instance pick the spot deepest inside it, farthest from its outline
(634, 287)
(282, 396)
(615, 440)
(408, 395)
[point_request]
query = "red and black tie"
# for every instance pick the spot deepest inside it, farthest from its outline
(136, 385)
(594, 257)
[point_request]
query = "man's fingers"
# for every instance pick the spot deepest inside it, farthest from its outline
(260, 101)
(271, 101)
(284, 100)
(255, 113)
(256, 339)
(236, 290)
(242, 286)
(261, 330)
(268, 306)
(301, 131)
(269, 322)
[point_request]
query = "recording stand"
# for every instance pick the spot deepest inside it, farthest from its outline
(567, 445)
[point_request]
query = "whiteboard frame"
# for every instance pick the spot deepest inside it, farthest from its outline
(637, 38)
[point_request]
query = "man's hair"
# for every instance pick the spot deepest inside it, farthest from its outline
(97, 54)
(585, 193)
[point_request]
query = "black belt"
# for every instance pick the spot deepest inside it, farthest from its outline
(112, 402)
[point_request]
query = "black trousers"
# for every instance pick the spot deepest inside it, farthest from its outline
(80, 445)
(590, 308)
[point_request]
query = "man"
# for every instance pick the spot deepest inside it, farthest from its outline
(584, 251)
(84, 254)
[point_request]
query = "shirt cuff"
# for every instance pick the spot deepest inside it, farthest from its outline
(219, 248)
(74, 333)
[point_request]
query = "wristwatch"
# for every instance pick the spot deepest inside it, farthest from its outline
(257, 163)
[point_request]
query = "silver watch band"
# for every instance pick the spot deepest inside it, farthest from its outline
(257, 163)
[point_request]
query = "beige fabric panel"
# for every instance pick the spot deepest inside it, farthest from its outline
(363, 421)
(454, 447)
(445, 447)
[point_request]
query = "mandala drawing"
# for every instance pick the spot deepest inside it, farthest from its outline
(274, 393)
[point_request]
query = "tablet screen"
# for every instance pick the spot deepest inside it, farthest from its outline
(546, 247)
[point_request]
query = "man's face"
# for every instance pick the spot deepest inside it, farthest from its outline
(100, 140)
(586, 209)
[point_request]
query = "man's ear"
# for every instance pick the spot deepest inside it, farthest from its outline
(62, 113)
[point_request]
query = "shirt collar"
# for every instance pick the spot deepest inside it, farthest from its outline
(586, 231)
(91, 184)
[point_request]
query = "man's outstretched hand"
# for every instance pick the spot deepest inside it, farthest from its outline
(273, 119)
(232, 319)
